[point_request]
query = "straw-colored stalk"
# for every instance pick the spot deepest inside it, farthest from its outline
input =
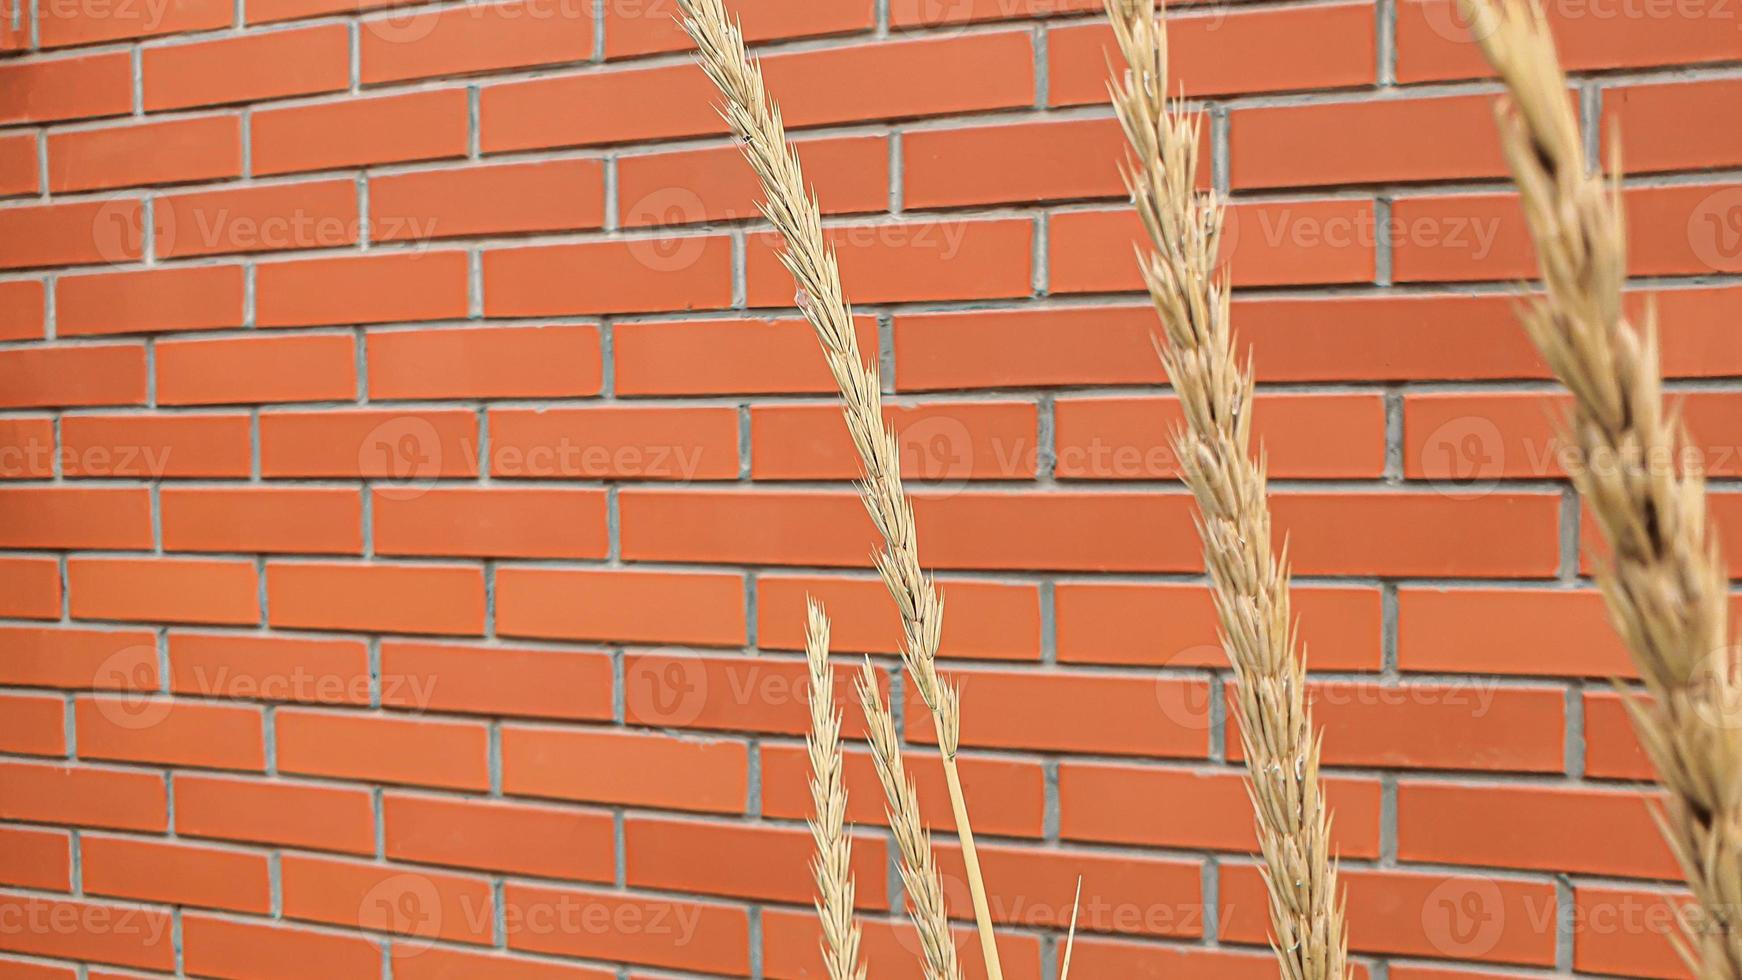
(793, 212)
(1664, 580)
(833, 865)
(1249, 582)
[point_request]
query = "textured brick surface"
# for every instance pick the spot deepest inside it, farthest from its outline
(413, 467)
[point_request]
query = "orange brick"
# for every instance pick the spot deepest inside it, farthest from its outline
(30, 588)
(474, 38)
(197, 298)
(377, 597)
(83, 796)
(1006, 796)
(1499, 535)
(80, 659)
(174, 590)
(792, 945)
(22, 309)
(1631, 932)
(76, 87)
(621, 606)
(260, 218)
(247, 69)
(177, 152)
(713, 858)
(383, 129)
(719, 357)
(945, 441)
(514, 681)
(415, 751)
(1388, 141)
(614, 443)
(68, 24)
(425, 905)
(549, 195)
(270, 11)
(849, 174)
(637, 29)
(172, 871)
(269, 668)
(322, 818)
(146, 942)
(361, 289)
(1659, 129)
(640, 274)
(71, 234)
(485, 362)
(414, 961)
(304, 520)
(224, 947)
(911, 260)
(1612, 749)
(523, 838)
(1531, 827)
(20, 170)
(27, 448)
(729, 693)
(718, 938)
(492, 522)
(257, 369)
(92, 374)
(33, 724)
(1121, 893)
(984, 620)
(1558, 632)
(409, 446)
(1076, 159)
(33, 858)
(170, 732)
(641, 769)
(57, 517)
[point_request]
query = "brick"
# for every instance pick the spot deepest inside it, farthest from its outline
(427, 125)
(1465, 723)
(67, 24)
(83, 233)
(80, 659)
(89, 374)
(640, 769)
(1305, 243)
(674, 854)
(196, 298)
(195, 875)
(83, 796)
(117, 518)
(409, 446)
(129, 936)
(269, 668)
(22, 308)
(637, 29)
(1006, 796)
(491, 522)
(615, 443)
(1121, 893)
(1074, 159)
(924, 77)
(272, 11)
(259, 218)
(302, 520)
(32, 858)
(1433, 44)
(1306, 436)
(17, 969)
(413, 751)
(75, 87)
(1542, 631)
(909, 261)
(1531, 827)
(946, 441)
(850, 175)
(425, 905)
(517, 838)
(377, 597)
(729, 693)
(1389, 141)
(474, 38)
(718, 938)
(621, 606)
(1114, 803)
(20, 169)
(985, 620)
(511, 198)
(1272, 59)
(33, 724)
(575, 685)
(312, 367)
(250, 68)
(27, 448)
(30, 588)
(1466, 917)
(792, 945)
(1612, 750)
(176, 152)
(228, 948)
(1152, 961)
(301, 815)
(1500, 535)
(415, 962)
(1167, 717)
(1659, 129)
(170, 732)
(361, 289)
(720, 357)
(625, 275)
(1176, 625)
(1632, 932)
(177, 590)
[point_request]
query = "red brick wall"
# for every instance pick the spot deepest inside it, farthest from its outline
(416, 468)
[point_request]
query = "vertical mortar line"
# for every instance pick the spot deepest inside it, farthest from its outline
(607, 358)
(363, 240)
(897, 171)
(1211, 887)
(752, 605)
(275, 883)
(495, 756)
(1570, 534)
(744, 440)
(1566, 922)
(619, 710)
(599, 28)
(378, 800)
(249, 294)
(1394, 433)
(755, 916)
(753, 781)
(1388, 629)
(138, 78)
(355, 56)
(611, 216)
(474, 123)
(269, 731)
(881, 13)
(740, 275)
(35, 24)
(1042, 70)
(886, 352)
(1388, 820)
(42, 161)
(1048, 623)
(1576, 738)
(1383, 247)
(1041, 281)
(1591, 122)
(1049, 769)
(475, 283)
(1217, 719)
(246, 125)
(499, 925)
(1045, 438)
(76, 861)
(1386, 12)
(620, 848)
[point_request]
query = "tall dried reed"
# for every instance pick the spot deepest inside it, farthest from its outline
(793, 212)
(1664, 581)
(833, 865)
(1249, 583)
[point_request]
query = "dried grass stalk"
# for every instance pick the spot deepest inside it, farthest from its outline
(1664, 581)
(833, 865)
(1249, 583)
(793, 212)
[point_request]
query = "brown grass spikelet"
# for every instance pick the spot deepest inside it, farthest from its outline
(1664, 580)
(832, 867)
(1249, 583)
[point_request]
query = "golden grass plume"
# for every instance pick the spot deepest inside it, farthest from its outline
(833, 865)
